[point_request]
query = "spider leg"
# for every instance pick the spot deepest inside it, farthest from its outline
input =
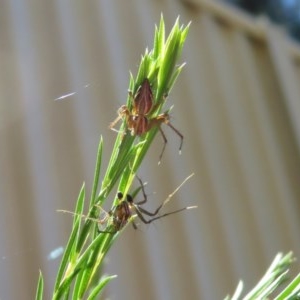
(99, 222)
(178, 133)
(134, 225)
(113, 124)
(164, 118)
(157, 121)
(165, 143)
(166, 214)
(149, 213)
(80, 215)
(140, 210)
(123, 111)
(143, 191)
(140, 215)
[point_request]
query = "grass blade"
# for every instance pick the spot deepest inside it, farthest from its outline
(40, 288)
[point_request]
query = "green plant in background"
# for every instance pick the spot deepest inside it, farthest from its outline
(273, 278)
(78, 274)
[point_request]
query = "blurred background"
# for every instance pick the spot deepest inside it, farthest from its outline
(236, 102)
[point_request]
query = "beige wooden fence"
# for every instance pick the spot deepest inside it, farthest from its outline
(236, 102)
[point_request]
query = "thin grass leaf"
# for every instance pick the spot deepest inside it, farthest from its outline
(268, 289)
(96, 255)
(238, 291)
(79, 270)
(90, 269)
(184, 33)
(159, 39)
(84, 257)
(97, 289)
(97, 173)
(122, 158)
(64, 288)
(112, 160)
(77, 283)
(169, 58)
(143, 72)
(73, 240)
(121, 149)
(278, 266)
(79, 205)
(66, 257)
(40, 288)
(274, 277)
(144, 148)
(122, 164)
(292, 290)
(174, 77)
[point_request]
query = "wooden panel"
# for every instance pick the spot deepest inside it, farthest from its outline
(235, 102)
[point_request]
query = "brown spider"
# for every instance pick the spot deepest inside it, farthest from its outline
(126, 209)
(139, 119)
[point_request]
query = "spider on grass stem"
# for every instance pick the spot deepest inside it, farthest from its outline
(126, 209)
(139, 119)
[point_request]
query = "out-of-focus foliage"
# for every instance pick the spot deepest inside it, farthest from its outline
(283, 12)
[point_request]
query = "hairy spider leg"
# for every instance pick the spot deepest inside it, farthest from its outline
(98, 221)
(123, 111)
(164, 119)
(140, 210)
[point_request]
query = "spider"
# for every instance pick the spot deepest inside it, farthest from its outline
(121, 213)
(139, 119)
(127, 208)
